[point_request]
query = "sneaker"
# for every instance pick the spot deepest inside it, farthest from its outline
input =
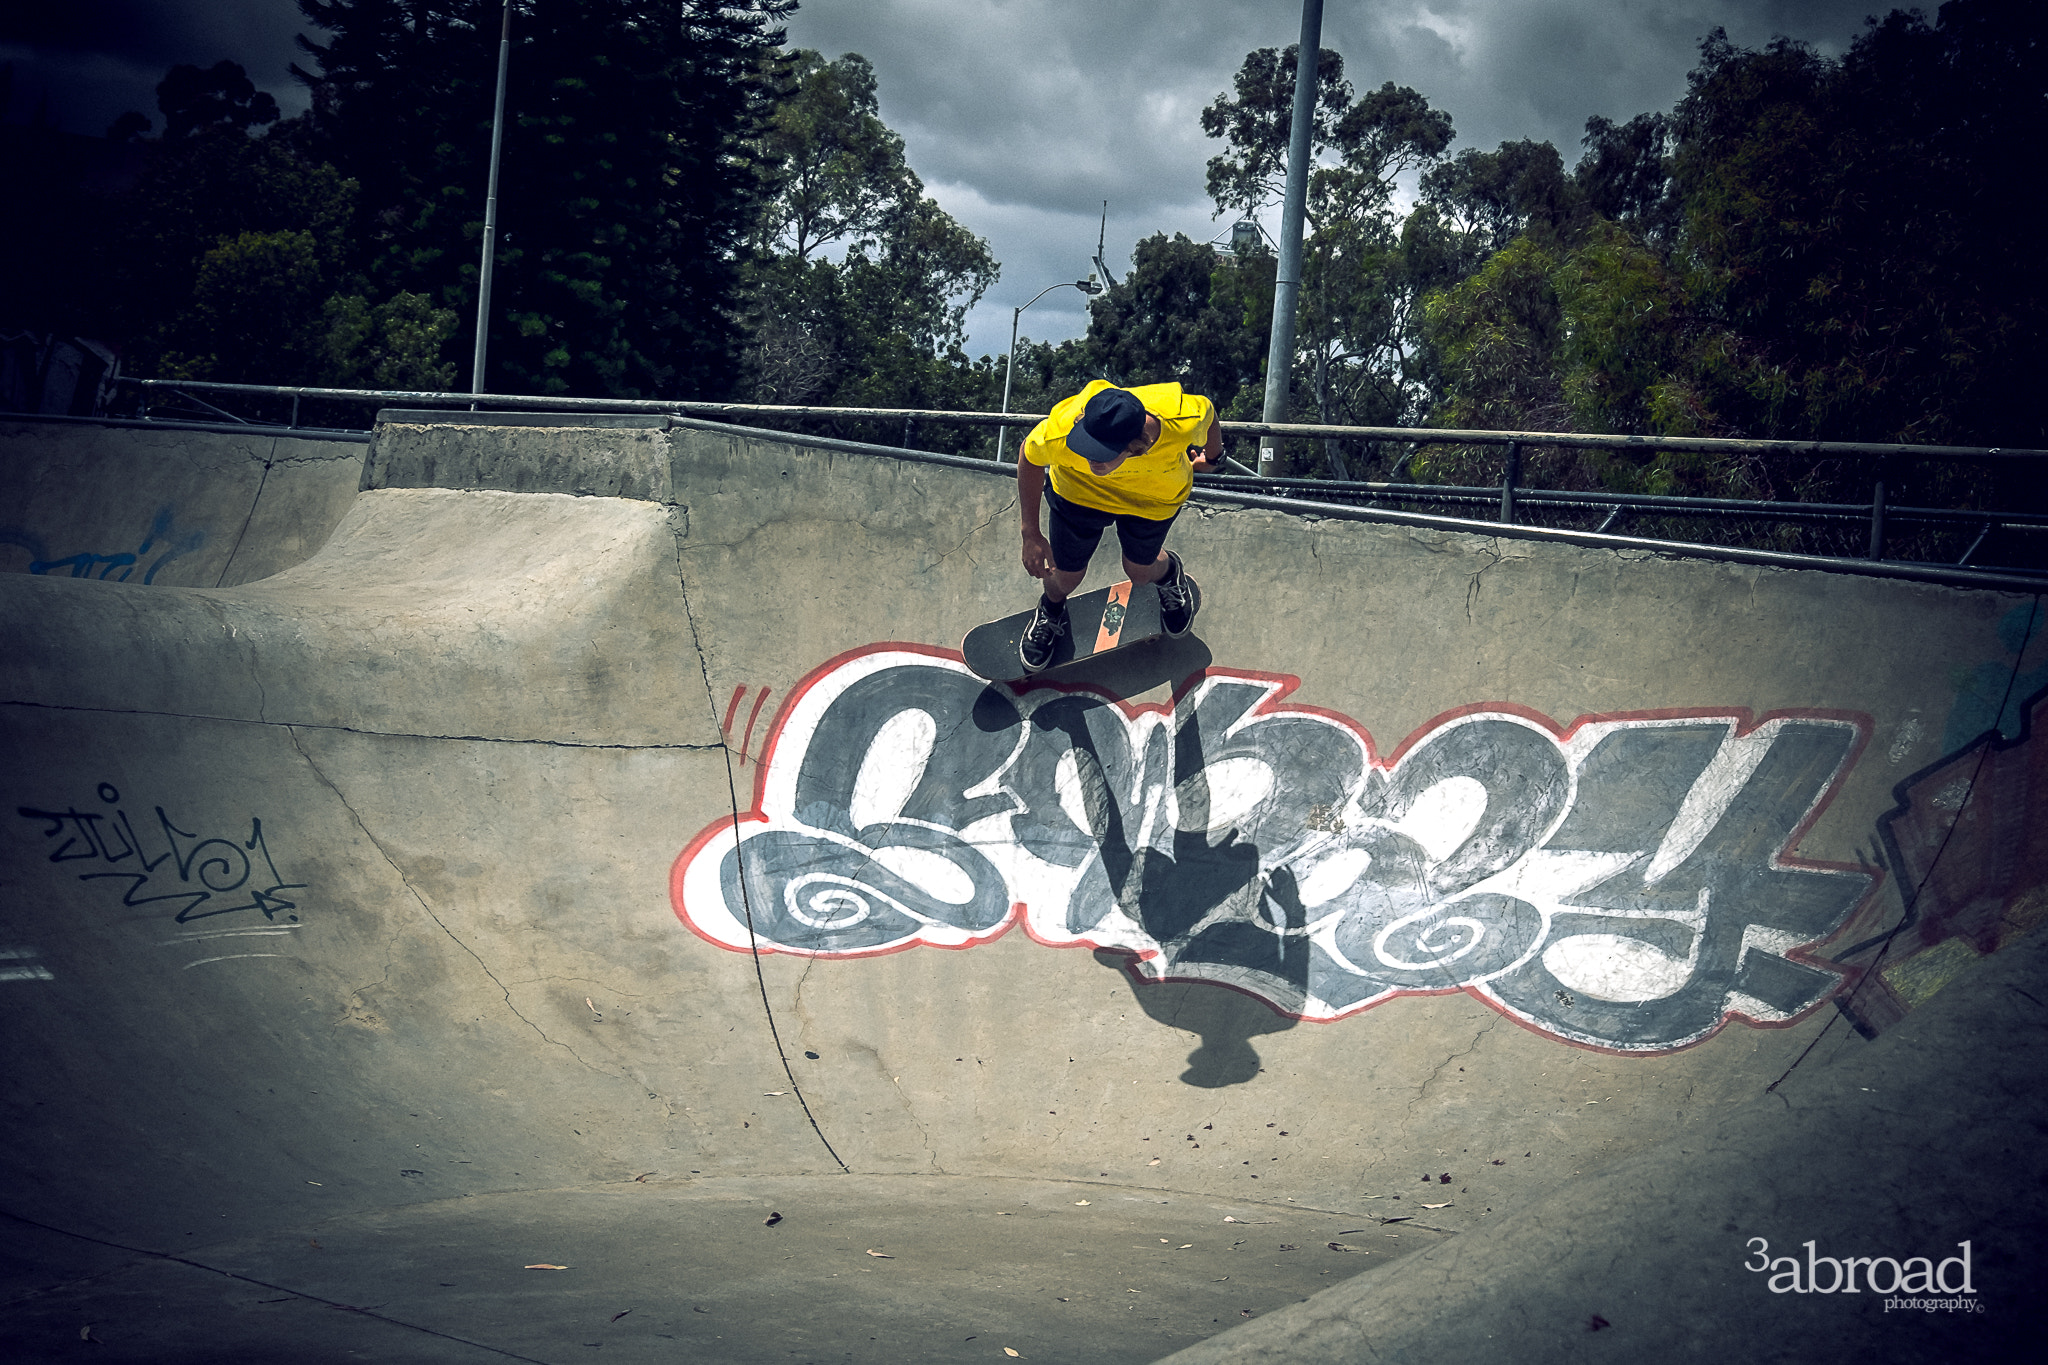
(1041, 637)
(1179, 599)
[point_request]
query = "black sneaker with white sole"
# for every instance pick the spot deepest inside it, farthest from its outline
(1041, 636)
(1179, 599)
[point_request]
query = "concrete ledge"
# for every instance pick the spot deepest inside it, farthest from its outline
(525, 453)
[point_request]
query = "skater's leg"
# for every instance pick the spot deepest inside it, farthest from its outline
(1075, 533)
(1059, 584)
(1143, 541)
(1147, 573)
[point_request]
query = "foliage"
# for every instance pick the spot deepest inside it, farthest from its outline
(837, 170)
(629, 176)
(1185, 314)
(1356, 319)
(1805, 248)
(1866, 226)
(233, 256)
(884, 324)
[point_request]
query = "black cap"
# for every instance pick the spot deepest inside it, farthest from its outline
(1112, 420)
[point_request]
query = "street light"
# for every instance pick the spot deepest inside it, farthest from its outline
(483, 284)
(1088, 286)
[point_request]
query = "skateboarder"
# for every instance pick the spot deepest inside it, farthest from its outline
(1115, 456)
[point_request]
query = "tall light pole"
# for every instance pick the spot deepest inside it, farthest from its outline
(1087, 286)
(1287, 283)
(483, 288)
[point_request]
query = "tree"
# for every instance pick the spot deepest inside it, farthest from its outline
(1625, 174)
(220, 97)
(1806, 247)
(883, 325)
(1866, 225)
(1491, 198)
(836, 169)
(232, 257)
(630, 175)
(1256, 126)
(1181, 315)
(1356, 325)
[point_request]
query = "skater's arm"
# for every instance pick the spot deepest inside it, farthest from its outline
(1030, 496)
(1209, 456)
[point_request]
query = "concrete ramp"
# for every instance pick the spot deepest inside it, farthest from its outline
(583, 905)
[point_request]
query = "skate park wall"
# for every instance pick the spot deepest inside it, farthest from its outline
(512, 806)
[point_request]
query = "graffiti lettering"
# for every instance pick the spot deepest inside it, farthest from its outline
(1623, 883)
(163, 538)
(198, 877)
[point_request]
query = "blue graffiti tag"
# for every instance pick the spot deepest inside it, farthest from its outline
(162, 537)
(1624, 883)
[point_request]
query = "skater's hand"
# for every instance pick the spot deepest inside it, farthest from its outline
(1037, 554)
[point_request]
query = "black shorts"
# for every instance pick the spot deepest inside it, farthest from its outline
(1077, 530)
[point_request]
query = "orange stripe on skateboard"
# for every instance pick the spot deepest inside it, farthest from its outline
(1113, 613)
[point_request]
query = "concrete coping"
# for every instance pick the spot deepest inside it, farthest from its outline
(433, 417)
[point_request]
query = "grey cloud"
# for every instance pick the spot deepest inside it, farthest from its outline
(1024, 117)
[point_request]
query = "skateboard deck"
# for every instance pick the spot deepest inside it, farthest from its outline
(1114, 617)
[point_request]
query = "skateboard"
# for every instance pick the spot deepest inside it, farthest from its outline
(1114, 617)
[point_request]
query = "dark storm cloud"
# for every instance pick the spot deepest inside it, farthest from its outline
(1023, 116)
(93, 59)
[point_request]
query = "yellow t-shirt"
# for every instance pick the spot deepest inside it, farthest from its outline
(1152, 485)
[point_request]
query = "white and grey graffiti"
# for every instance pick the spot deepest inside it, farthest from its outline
(1625, 882)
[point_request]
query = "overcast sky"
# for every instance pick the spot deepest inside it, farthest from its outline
(1023, 116)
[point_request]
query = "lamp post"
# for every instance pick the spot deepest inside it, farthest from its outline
(483, 290)
(1287, 281)
(1088, 286)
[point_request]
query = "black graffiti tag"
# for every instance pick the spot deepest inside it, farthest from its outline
(200, 877)
(1623, 884)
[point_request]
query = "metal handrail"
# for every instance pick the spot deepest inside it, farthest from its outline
(1407, 435)
(1881, 457)
(1643, 502)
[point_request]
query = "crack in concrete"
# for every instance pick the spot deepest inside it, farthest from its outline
(1422, 1090)
(413, 891)
(254, 499)
(1495, 557)
(733, 799)
(924, 1133)
(1006, 507)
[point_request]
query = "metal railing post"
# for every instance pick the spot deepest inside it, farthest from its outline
(1508, 476)
(1877, 513)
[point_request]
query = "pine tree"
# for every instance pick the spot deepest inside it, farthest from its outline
(627, 183)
